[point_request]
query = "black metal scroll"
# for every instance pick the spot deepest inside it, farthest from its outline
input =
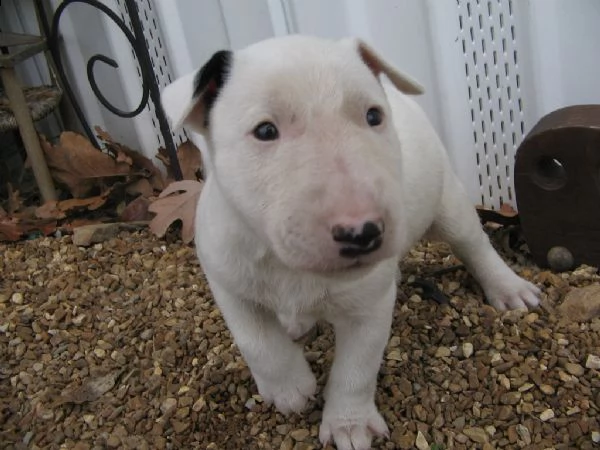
(150, 88)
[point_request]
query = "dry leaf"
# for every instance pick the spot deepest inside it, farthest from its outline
(13, 229)
(140, 187)
(75, 162)
(60, 209)
(190, 161)
(136, 210)
(180, 206)
(138, 161)
(14, 200)
(10, 229)
(90, 390)
(507, 210)
(506, 215)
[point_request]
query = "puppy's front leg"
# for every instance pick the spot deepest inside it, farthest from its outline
(458, 224)
(281, 372)
(350, 416)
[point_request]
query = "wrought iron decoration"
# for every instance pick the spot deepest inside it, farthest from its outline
(150, 88)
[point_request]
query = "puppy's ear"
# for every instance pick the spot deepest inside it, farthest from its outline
(378, 65)
(189, 99)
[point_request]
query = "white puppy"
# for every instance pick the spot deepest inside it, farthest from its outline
(318, 179)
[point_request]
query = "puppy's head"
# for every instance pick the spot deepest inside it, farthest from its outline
(303, 146)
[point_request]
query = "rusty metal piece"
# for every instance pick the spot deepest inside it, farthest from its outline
(557, 183)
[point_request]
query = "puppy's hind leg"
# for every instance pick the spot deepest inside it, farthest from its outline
(458, 224)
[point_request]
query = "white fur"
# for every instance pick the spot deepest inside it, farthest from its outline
(263, 224)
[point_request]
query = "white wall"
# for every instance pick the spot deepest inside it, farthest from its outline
(564, 48)
(557, 42)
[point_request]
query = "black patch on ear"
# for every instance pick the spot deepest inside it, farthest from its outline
(210, 79)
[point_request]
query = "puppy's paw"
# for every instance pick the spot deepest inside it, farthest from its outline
(291, 391)
(513, 292)
(351, 428)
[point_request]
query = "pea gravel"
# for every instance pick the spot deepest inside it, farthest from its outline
(120, 345)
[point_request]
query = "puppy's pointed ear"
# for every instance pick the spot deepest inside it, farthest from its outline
(378, 65)
(189, 99)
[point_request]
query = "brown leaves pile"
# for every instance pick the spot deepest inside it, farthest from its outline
(115, 184)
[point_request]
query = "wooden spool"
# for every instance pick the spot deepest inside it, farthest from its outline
(557, 184)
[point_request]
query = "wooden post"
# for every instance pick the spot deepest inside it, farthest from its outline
(28, 132)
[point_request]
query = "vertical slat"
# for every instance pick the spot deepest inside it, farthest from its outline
(489, 37)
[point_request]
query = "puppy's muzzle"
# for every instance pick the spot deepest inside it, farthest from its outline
(358, 241)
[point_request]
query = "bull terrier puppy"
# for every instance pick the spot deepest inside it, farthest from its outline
(320, 175)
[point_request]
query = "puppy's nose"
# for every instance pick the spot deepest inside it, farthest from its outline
(358, 240)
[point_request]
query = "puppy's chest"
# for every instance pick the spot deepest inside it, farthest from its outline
(280, 288)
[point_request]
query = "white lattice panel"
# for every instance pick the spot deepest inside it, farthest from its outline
(488, 34)
(158, 55)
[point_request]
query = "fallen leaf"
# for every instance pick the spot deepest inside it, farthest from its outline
(10, 229)
(14, 229)
(60, 209)
(138, 161)
(190, 161)
(75, 162)
(140, 187)
(177, 202)
(14, 200)
(507, 210)
(136, 210)
(506, 215)
(90, 390)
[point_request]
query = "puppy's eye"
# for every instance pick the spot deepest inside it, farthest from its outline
(266, 131)
(374, 117)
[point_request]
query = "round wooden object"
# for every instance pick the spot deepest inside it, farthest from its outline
(41, 101)
(557, 184)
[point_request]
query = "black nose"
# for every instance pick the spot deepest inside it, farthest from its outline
(366, 240)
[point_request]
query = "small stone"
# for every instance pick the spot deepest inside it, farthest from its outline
(394, 355)
(287, 444)
(476, 434)
(182, 413)
(575, 369)
(100, 352)
(547, 389)
(250, 403)
(183, 389)
(510, 398)
(17, 298)
(442, 352)
(421, 443)
(168, 406)
(593, 362)
(200, 404)
(89, 418)
(180, 427)
(467, 349)
(113, 441)
(547, 415)
(596, 437)
(146, 334)
(531, 317)
(524, 434)
(300, 434)
(78, 320)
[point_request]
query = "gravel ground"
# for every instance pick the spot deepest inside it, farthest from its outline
(120, 345)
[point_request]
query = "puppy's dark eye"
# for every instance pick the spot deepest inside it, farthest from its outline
(374, 117)
(266, 131)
